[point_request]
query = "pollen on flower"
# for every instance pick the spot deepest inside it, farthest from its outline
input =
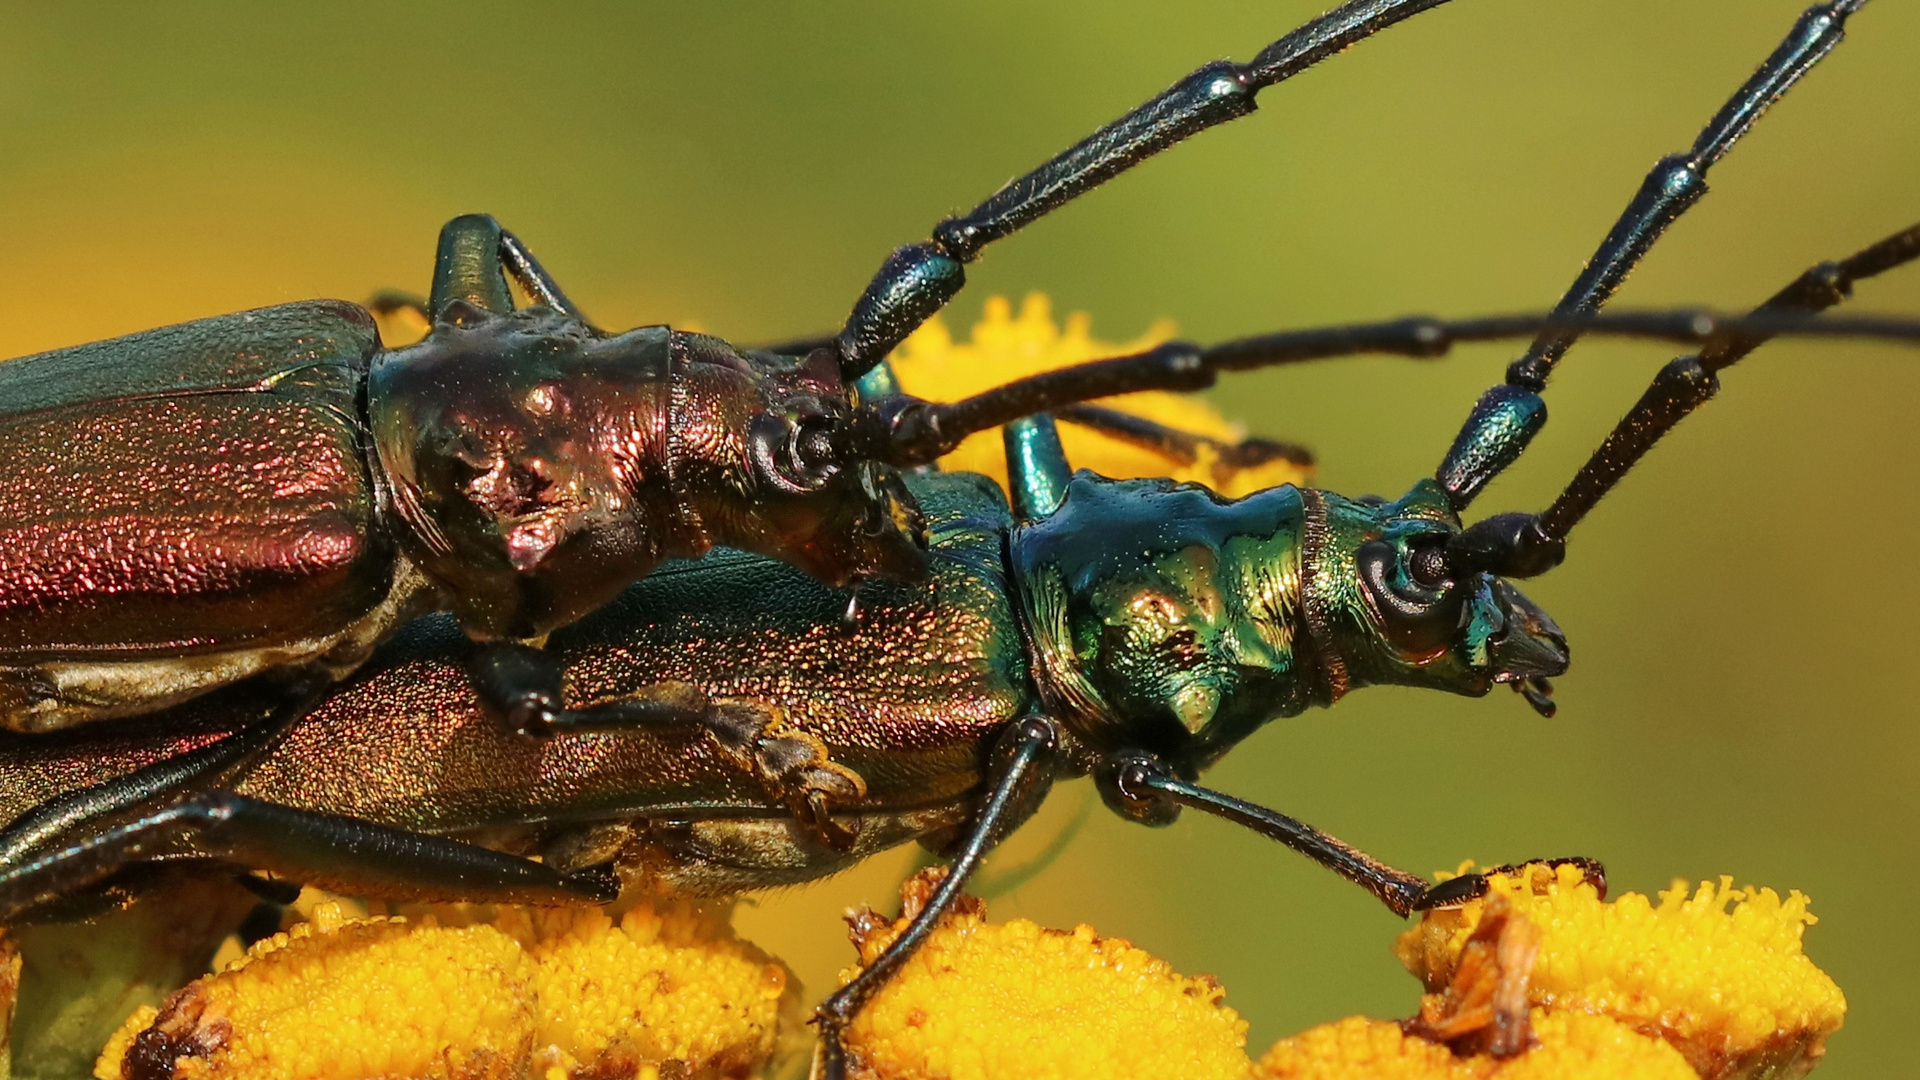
(1005, 346)
(1538, 980)
(982, 999)
(534, 992)
(1719, 974)
(1566, 1046)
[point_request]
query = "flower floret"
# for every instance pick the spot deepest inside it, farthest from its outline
(1569, 1046)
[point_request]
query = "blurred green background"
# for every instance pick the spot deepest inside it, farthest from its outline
(1742, 611)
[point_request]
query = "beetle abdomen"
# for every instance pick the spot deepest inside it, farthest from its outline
(182, 525)
(194, 499)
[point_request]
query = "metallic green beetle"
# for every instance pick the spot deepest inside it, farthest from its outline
(1131, 630)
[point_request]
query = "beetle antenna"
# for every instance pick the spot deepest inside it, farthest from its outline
(918, 280)
(1690, 381)
(1507, 417)
(1523, 545)
(906, 431)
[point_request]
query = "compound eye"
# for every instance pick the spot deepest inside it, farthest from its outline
(1428, 566)
(1418, 607)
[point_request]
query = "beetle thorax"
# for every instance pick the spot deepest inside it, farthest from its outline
(527, 454)
(1165, 617)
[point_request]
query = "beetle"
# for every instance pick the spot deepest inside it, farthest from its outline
(269, 494)
(1037, 649)
(1498, 547)
(1130, 630)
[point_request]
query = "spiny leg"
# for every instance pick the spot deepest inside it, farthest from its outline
(475, 259)
(1021, 772)
(1507, 417)
(534, 279)
(520, 686)
(917, 280)
(76, 841)
(329, 850)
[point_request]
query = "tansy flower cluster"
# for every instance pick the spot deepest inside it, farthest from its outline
(1539, 979)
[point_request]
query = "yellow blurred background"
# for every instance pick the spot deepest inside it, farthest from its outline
(1743, 612)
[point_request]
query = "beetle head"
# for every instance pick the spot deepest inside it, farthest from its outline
(1401, 605)
(1168, 619)
(841, 520)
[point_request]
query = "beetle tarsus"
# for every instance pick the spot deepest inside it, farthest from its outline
(794, 766)
(520, 686)
(1456, 891)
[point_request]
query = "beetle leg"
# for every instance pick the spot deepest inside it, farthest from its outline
(533, 278)
(1143, 789)
(475, 260)
(329, 850)
(520, 685)
(1183, 447)
(799, 346)
(1037, 467)
(1456, 891)
(219, 762)
(393, 301)
(467, 271)
(1020, 774)
(794, 765)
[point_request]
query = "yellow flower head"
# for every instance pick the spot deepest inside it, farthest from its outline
(1004, 347)
(1538, 980)
(981, 999)
(1479, 1024)
(551, 993)
(1567, 1046)
(1728, 987)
